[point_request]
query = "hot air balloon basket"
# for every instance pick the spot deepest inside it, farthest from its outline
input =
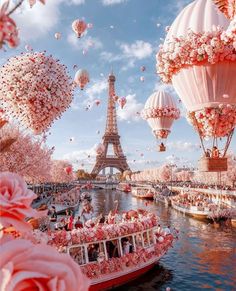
(213, 164)
(161, 148)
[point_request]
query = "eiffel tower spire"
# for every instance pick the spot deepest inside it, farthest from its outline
(111, 136)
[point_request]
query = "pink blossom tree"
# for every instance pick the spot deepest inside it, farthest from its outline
(59, 173)
(27, 156)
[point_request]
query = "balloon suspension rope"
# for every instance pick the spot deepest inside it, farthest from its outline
(229, 138)
(201, 139)
(15, 7)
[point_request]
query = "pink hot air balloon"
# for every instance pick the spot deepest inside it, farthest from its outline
(160, 111)
(81, 78)
(97, 102)
(68, 170)
(79, 27)
(122, 101)
(142, 79)
(100, 149)
(206, 72)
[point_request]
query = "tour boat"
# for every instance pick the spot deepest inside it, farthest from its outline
(124, 187)
(194, 211)
(143, 192)
(118, 251)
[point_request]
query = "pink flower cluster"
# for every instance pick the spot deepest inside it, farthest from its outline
(25, 266)
(216, 122)
(63, 238)
(35, 89)
(95, 270)
(15, 202)
(195, 49)
(161, 133)
(8, 29)
(160, 112)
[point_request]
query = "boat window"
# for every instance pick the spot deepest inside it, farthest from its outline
(150, 232)
(145, 239)
(96, 252)
(127, 245)
(113, 250)
(78, 254)
(138, 240)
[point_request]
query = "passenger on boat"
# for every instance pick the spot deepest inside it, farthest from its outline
(166, 231)
(69, 220)
(53, 217)
(112, 249)
(78, 223)
(126, 246)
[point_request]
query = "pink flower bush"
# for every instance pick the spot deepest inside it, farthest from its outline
(58, 173)
(35, 89)
(25, 266)
(8, 29)
(60, 239)
(160, 112)
(195, 49)
(96, 270)
(214, 121)
(15, 201)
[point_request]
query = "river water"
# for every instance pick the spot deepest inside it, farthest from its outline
(203, 258)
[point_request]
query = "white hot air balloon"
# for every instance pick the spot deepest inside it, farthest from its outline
(81, 78)
(57, 35)
(160, 111)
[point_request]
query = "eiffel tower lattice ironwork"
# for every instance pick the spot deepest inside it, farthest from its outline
(111, 137)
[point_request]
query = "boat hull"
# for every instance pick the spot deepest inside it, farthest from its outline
(195, 214)
(121, 280)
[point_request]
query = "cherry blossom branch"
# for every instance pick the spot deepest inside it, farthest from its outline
(16, 6)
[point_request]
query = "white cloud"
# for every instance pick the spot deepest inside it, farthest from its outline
(138, 50)
(131, 109)
(95, 91)
(84, 43)
(183, 146)
(112, 2)
(86, 157)
(76, 2)
(36, 22)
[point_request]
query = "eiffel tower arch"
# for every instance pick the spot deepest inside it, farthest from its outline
(111, 137)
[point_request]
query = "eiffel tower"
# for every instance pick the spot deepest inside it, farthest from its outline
(111, 137)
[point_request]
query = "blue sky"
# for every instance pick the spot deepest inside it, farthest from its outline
(125, 36)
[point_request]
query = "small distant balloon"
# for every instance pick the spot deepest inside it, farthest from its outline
(142, 79)
(90, 25)
(111, 26)
(81, 78)
(57, 35)
(98, 131)
(142, 68)
(115, 98)
(79, 27)
(28, 48)
(97, 102)
(122, 101)
(84, 52)
(75, 67)
(167, 28)
(158, 24)
(72, 139)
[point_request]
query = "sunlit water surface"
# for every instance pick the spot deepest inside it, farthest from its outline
(203, 258)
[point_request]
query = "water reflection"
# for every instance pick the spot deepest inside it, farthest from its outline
(203, 257)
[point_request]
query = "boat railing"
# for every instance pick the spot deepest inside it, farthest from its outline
(145, 239)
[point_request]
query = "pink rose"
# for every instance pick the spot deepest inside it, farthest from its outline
(15, 201)
(25, 266)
